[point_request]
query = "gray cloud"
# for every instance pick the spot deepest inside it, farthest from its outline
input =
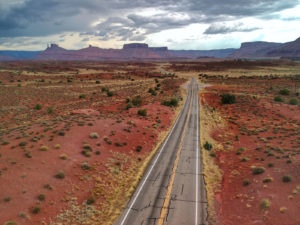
(121, 20)
(221, 28)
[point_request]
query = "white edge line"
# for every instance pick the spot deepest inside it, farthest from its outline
(151, 168)
(197, 162)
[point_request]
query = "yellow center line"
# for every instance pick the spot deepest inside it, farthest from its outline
(165, 207)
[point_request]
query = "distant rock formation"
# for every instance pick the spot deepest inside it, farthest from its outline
(132, 51)
(287, 50)
(254, 49)
(141, 51)
(268, 50)
(135, 45)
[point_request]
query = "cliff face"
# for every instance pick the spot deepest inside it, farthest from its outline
(254, 49)
(289, 49)
(268, 49)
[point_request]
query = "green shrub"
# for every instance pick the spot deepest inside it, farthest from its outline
(246, 182)
(35, 209)
(49, 110)
(137, 101)
(129, 105)
(278, 99)
(142, 112)
(41, 197)
(81, 96)
(97, 82)
(91, 200)
(286, 178)
(23, 143)
(265, 204)
(267, 180)
(228, 99)
(293, 101)
(61, 133)
(60, 175)
(85, 166)
(173, 102)
(207, 146)
(258, 170)
(94, 135)
(10, 223)
(284, 91)
(48, 187)
(7, 199)
(109, 93)
(38, 106)
(138, 148)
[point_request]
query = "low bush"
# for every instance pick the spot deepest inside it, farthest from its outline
(267, 180)
(38, 106)
(293, 101)
(91, 200)
(49, 110)
(63, 156)
(94, 135)
(278, 99)
(44, 148)
(171, 103)
(265, 204)
(137, 101)
(207, 146)
(228, 99)
(142, 112)
(258, 170)
(41, 197)
(85, 166)
(10, 223)
(138, 148)
(284, 91)
(60, 175)
(109, 93)
(286, 178)
(246, 182)
(35, 209)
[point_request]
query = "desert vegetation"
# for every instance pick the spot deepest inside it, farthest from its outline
(81, 133)
(255, 140)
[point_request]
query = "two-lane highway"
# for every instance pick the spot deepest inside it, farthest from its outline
(172, 190)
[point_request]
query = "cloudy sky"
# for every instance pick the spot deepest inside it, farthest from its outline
(178, 24)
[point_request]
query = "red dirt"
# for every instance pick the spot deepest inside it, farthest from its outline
(36, 145)
(259, 132)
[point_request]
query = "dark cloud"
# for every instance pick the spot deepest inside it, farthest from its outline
(122, 18)
(221, 28)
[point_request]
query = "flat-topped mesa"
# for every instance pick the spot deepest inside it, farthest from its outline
(135, 45)
(159, 48)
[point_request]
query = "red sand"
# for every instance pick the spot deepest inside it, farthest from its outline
(260, 132)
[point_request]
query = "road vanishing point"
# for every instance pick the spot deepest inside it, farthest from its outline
(172, 190)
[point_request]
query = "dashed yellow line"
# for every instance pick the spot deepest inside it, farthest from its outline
(165, 207)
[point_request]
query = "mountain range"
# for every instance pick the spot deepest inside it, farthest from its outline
(141, 51)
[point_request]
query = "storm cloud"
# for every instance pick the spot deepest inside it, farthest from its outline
(130, 20)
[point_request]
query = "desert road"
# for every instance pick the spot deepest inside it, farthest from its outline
(172, 190)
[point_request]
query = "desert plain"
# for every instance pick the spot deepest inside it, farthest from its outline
(76, 137)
